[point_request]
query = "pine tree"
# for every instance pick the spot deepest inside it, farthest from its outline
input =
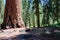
(36, 6)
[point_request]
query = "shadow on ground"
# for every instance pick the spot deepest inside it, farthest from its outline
(43, 36)
(36, 34)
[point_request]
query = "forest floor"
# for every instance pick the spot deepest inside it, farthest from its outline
(30, 34)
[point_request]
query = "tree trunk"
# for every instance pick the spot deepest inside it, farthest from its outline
(13, 14)
(37, 12)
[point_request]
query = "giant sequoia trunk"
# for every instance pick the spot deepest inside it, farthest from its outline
(13, 14)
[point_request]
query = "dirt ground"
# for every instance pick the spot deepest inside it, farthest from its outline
(33, 34)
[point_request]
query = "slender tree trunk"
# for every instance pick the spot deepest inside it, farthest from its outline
(13, 14)
(37, 12)
(57, 8)
(33, 20)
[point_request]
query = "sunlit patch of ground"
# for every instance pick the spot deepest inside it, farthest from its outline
(11, 32)
(30, 34)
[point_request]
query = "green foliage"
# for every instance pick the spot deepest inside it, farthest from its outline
(1, 10)
(49, 16)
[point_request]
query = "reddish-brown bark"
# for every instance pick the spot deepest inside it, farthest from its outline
(13, 14)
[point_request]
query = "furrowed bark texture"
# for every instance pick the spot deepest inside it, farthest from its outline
(13, 14)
